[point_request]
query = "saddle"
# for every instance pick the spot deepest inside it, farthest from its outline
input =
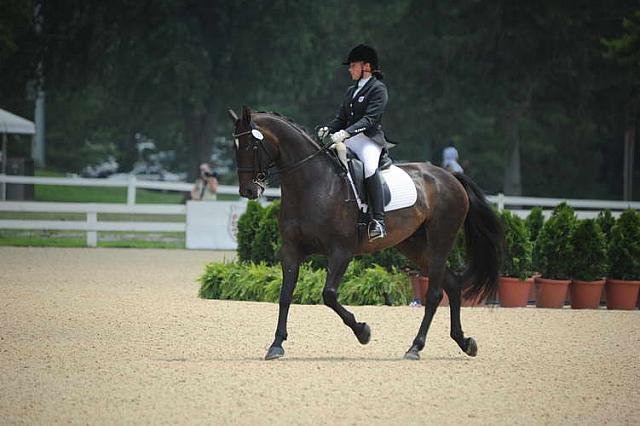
(356, 169)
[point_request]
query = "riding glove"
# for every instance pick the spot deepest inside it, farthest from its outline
(340, 136)
(323, 132)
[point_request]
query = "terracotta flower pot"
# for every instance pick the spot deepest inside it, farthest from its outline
(422, 285)
(514, 292)
(551, 293)
(622, 294)
(473, 303)
(416, 285)
(586, 294)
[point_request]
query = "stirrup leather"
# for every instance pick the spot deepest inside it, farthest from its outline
(376, 230)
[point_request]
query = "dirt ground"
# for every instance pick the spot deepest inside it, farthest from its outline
(119, 336)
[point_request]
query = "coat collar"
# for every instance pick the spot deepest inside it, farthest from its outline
(364, 88)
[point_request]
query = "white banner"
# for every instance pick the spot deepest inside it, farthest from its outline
(213, 224)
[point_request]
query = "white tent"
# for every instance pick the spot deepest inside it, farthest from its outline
(11, 123)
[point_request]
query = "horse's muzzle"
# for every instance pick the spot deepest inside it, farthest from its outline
(250, 191)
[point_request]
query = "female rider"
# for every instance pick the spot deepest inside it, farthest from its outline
(359, 125)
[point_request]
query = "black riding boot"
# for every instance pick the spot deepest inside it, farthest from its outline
(376, 205)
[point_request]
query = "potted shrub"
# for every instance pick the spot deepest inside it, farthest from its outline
(606, 221)
(623, 280)
(534, 221)
(515, 281)
(552, 256)
(588, 265)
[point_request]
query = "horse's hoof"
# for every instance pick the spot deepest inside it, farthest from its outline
(365, 334)
(412, 355)
(274, 352)
(472, 347)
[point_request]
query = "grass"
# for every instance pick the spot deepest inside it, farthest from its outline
(88, 194)
(168, 240)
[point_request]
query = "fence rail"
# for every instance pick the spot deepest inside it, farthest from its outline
(132, 184)
(518, 205)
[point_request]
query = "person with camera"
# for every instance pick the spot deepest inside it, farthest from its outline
(206, 186)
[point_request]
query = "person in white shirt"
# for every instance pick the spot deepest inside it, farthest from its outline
(206, 186)
(450, 159)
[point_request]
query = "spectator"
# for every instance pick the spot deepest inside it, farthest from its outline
(206, 186)
(450, 159)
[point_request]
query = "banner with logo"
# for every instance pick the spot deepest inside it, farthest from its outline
(213, 224)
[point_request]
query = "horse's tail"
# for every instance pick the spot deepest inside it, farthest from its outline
(483, 242)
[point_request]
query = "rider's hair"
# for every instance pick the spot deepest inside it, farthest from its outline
(378, 74)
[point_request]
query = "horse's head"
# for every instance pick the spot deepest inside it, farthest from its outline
(254, 154)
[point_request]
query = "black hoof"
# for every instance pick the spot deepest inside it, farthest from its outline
(412, 354)
(472, 347)
(274, 352)
(365, 334)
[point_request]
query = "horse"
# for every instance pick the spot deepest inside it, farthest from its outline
(318, 216)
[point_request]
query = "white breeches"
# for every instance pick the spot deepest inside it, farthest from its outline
(367, 151)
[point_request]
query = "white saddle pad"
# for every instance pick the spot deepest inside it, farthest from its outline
(403, 190)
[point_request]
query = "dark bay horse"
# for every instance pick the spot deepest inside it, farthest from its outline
(316, 219)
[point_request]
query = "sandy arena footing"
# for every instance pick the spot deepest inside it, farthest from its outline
(119, 336)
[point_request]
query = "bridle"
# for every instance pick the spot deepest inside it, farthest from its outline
(260, 165)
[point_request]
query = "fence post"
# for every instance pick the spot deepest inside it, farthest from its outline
(500, 201)
(131, 191)
(92, 235)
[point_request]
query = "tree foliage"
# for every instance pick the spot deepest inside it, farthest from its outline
(531, 93)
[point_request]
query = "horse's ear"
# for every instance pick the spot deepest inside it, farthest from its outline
(232, 115)
(246, 114)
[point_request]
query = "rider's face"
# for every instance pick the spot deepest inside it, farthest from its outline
(357, 68)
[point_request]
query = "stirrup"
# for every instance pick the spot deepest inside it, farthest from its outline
(376, 230)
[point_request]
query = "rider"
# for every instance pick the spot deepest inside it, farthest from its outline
(359, 125)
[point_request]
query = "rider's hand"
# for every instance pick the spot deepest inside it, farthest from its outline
(323, 132)
(339, 136)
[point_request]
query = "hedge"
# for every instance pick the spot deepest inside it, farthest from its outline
(361, 285)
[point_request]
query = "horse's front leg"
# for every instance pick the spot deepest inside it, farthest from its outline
(290, 269)
(338, 262)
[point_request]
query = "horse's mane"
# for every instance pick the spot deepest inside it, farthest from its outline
(293, 124)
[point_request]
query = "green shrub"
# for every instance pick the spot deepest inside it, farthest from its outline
(606, 221)
(457, 258)
(534, 221)
(267, 241)
(553, 249)
(261, 282)
(589, 252)
(518, 248)
(374, 286)
(624, 247)
(212, 278)
(248, 224)
(390, 259)
(310, 284)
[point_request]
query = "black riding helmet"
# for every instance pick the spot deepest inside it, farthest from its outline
(363, 53)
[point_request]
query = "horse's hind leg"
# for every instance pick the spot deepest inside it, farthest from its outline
(338, 262)
(453, 287)
(429, 248)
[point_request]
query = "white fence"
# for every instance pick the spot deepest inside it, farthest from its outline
(208, 224)
(91, 224)
(132, 184)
